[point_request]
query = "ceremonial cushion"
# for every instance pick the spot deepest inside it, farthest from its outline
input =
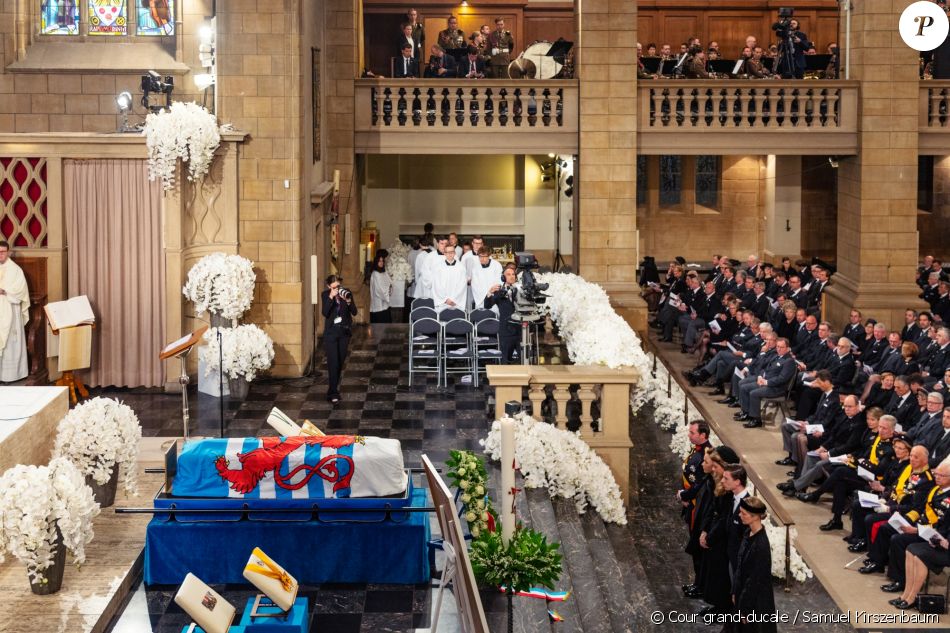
(302, 467)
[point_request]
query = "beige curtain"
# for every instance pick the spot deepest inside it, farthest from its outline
(115, 257)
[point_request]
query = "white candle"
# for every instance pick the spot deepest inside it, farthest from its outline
(507, 479)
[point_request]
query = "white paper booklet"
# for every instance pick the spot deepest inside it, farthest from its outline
(865, 474)
(714, 326)
(811, 429)
(840, 459)
(926, 532)
(869, 499)
(283, 424)
(897, 521)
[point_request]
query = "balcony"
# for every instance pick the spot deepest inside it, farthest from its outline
(742, 117)
(934, 130)
(433, 116)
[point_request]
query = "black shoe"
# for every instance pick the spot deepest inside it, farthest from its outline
(788, 461)
(696, 592)
(664, 339)
(720, 390)
(872, 568)
(858, 546)
(791, 492)
(684, 349)
(786, 485)
(808, 497)
(690, 376)
(740, 417)
(894, 587)
(849, 539)
(833, 524)
(727, 400)
(753, 423)
(792, 473)
(866, 561)
(734, 405)
(902, 604)
(687, 588)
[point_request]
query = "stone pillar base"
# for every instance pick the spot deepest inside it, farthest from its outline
(884, 302)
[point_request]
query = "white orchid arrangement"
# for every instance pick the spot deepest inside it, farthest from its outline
(221, 283)
(98, 436)
(596, 335)
(563, 463)
(247, 351)
(185, 132)
(35, 501)
(397, 264)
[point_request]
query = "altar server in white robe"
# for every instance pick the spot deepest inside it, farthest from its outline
(433, 262)
(485, 274)
(14, 313)
(449, 283)
(421, 286)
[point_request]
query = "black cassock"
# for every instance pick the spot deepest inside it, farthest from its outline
(716, 582)
(752, 582)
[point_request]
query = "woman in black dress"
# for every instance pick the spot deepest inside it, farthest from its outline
(752, 579)
(338, 311)
(713, 539)
(787, 325)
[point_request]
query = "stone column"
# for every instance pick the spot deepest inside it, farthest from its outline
(606, 169)
(877, 189)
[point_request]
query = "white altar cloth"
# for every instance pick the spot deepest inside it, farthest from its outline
(28, 420)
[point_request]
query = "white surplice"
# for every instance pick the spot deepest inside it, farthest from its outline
(14, 313)
(483, 278)
(449, 282)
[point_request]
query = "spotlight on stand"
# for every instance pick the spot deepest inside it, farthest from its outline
(833, 161)
(153, 83)
(123, 103)
(569, 186)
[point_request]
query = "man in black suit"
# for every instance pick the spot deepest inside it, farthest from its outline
(760, 301)
(406, 37)
(941, 307)
(903, 404)
(727, 283)
(440, 66)
(839, 363)
(774, 383)
(939, 358)
(910, 331)
(941, 441)
(807, 335)
(509, 332)
(813, 304)
(928, 422)
(794, 439)
(405, 67)
(795, 292)
(875, 351)
(779, 285)
(854, 331)
(471, 66)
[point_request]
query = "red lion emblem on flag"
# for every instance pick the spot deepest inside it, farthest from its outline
(335, 468)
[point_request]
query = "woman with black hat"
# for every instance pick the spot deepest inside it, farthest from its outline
(752, 578)
(714, 536)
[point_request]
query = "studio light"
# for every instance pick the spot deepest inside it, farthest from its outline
(123, 103)
(203, 81)
(550, 155)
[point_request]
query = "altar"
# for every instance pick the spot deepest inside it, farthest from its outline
(28, 423)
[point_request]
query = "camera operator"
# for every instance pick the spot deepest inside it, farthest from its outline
(502, 296)
(794, 43)
(338, 311)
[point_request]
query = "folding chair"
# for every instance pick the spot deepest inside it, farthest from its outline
(425, 347)
(423, 313)
(458, 349)
(480, 314)
(778, 403)
(486, 344)
(422, 303)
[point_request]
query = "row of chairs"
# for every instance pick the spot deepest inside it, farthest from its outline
(451, 342)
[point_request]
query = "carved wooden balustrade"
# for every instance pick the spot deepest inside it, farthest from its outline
(410, 115)
(607, 389)
(934, 127)
(763, 116)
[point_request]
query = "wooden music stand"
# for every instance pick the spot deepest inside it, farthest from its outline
(67, 378)
(179, 349)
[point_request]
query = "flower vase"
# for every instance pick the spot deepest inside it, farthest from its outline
(105, 493)
(238, 387)
(52, 575)
(217, 320)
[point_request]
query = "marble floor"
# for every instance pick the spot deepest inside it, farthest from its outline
(618, 575)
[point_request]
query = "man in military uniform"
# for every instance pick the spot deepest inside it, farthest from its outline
(451, 39)
(692, 476)
(501, 44)
(480, 42)
(696, 66)
(418, 33)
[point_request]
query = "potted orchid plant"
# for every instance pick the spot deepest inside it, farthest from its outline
(44, 511)
(243, 352)
(185, 132)
(222, 285)
(101, 437)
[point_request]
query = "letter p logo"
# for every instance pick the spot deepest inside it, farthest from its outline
(924, 26)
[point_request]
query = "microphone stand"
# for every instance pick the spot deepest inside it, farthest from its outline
(220, 380)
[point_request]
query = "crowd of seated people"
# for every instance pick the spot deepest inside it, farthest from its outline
(871, 404)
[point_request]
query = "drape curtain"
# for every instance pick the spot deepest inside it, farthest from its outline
(115, 257)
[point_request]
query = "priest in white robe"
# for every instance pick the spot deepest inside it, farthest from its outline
(485, 273)
(14, 313)
(449, 284)
(421, 286)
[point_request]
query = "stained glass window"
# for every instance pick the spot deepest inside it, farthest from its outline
(59, 17)
(671, 180)
(641, 180)
(155, 17)
(108, 17)
(707, 181)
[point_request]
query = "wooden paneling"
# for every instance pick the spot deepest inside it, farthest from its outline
(548, 26)
(679, 27)
(731, 28)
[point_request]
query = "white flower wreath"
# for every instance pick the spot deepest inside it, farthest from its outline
(34, 502)
(98, 435)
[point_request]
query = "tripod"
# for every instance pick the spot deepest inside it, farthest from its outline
(786, 60)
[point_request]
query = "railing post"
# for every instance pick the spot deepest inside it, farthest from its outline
(586, 395)
(508, 382)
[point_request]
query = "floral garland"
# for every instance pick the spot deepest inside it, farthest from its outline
(467, 473)
(99, 435)
(247, 351)
(34, 502)
(185, 131)
(563, 463)
(607, 339)
(221, 283)
(397, 264)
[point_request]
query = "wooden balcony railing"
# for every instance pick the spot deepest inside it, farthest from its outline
(609, 388)
(411, 115)
(934, 126)
(759, 115)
